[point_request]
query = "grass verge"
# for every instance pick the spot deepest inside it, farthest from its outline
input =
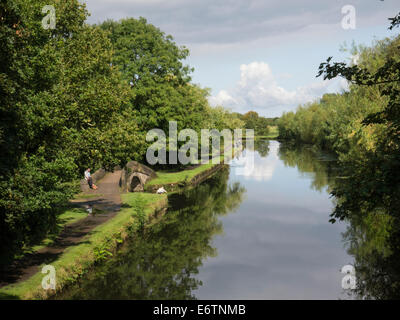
(272, 134)
(173, 181)
(69, 216)
(164, 177)
(83, 195)
(103, 241)
(98, 245)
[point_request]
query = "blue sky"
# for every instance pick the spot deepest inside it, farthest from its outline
(257, 54)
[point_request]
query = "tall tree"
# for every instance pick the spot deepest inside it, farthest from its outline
(63, 107)
(152, 64)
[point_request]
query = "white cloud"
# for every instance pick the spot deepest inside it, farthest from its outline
(259, 90)
(229, 31)
(253, 166)
(222, 98)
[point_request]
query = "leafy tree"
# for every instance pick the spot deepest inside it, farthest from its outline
(220, 118)
(374, 169)
(258, 124)
(34, 174)
(151, 63)
(79, 96)
(63, 108)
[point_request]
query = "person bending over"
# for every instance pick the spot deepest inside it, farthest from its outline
(89, 179)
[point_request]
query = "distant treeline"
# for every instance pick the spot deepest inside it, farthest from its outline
(336, 122)
(259, 124)
(361, 125)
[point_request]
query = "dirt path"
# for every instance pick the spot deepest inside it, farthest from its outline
(108, 201)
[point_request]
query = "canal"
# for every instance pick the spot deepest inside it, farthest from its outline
(258, 229)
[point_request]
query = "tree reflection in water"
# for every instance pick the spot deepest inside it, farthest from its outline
(372, 236)
(322, 167)
(160, 263)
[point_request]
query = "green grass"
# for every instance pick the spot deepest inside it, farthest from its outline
(272, 134)
(80, 196)
(72, 215)
(168, 178)
(77, 260)
(164, 177)
(176, 180)
(69, 216)
(104, 239)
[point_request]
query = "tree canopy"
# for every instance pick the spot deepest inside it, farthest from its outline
(79, 96)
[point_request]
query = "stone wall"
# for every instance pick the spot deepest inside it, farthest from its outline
(134, 176)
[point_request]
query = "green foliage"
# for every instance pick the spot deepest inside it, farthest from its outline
(353, 122)
(220, 118)
(101, 252)
(160, 89)
(259, 124)
(151, 63)
(139, 213)
(334, 123)
(35, 167)
(66, 104)
(363, 127)
(163, 262)
(373, 169)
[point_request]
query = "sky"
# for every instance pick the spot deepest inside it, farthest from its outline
(260, 55)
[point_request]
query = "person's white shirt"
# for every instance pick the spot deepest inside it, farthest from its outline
(87, 175)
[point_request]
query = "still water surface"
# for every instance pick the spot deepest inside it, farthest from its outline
(254, 234)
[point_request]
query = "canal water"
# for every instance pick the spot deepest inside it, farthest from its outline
(258, 229)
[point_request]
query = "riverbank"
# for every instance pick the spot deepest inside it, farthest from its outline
(173, 181)
(272, 134)
(101, 242)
